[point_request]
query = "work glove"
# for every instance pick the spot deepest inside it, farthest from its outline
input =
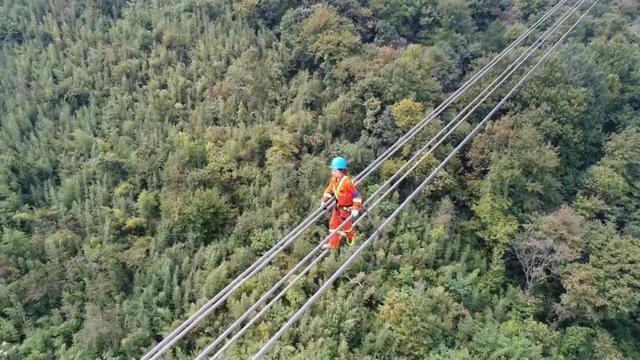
(355, 213)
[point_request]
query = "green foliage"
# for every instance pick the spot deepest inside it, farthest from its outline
(200, 217)
(134, 224)
(498, 225)
(454, 15)
(61, 245)
(512, 340)
(524, 174)
(607, 182)
(330, 37)
(420, 318)
(407, 113)
(390, 167)
(397, 18)
(281, 152)
(580, 343)
(151, 151)
(606, 286)
(410, 75)
(147, 205)
(548, 245)
(613, 180)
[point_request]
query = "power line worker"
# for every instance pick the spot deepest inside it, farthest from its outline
(348, 202)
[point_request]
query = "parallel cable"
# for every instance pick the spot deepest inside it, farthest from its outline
(222, 295)
(212, 346)
(457, 120)
(217, 300)
(451, 98)
(264, 350)
(478, 100)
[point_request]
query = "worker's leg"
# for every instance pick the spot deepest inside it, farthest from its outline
(349, 231)
(334, 223)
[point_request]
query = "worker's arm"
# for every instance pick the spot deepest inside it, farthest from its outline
(328, 192)
(356, 198)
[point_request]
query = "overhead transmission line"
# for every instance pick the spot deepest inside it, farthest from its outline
(265, 349)
(217, 300)
(458, 120)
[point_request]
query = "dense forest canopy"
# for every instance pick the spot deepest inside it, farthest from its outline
(151, 150)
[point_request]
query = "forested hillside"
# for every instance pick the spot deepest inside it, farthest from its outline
(151, 150)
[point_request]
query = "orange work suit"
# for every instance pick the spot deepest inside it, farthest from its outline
(348, 198)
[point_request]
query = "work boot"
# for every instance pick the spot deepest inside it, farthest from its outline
(326, 246)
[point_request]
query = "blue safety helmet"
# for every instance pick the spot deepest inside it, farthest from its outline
(339, 163)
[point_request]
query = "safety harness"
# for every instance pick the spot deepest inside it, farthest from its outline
(336, 190)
